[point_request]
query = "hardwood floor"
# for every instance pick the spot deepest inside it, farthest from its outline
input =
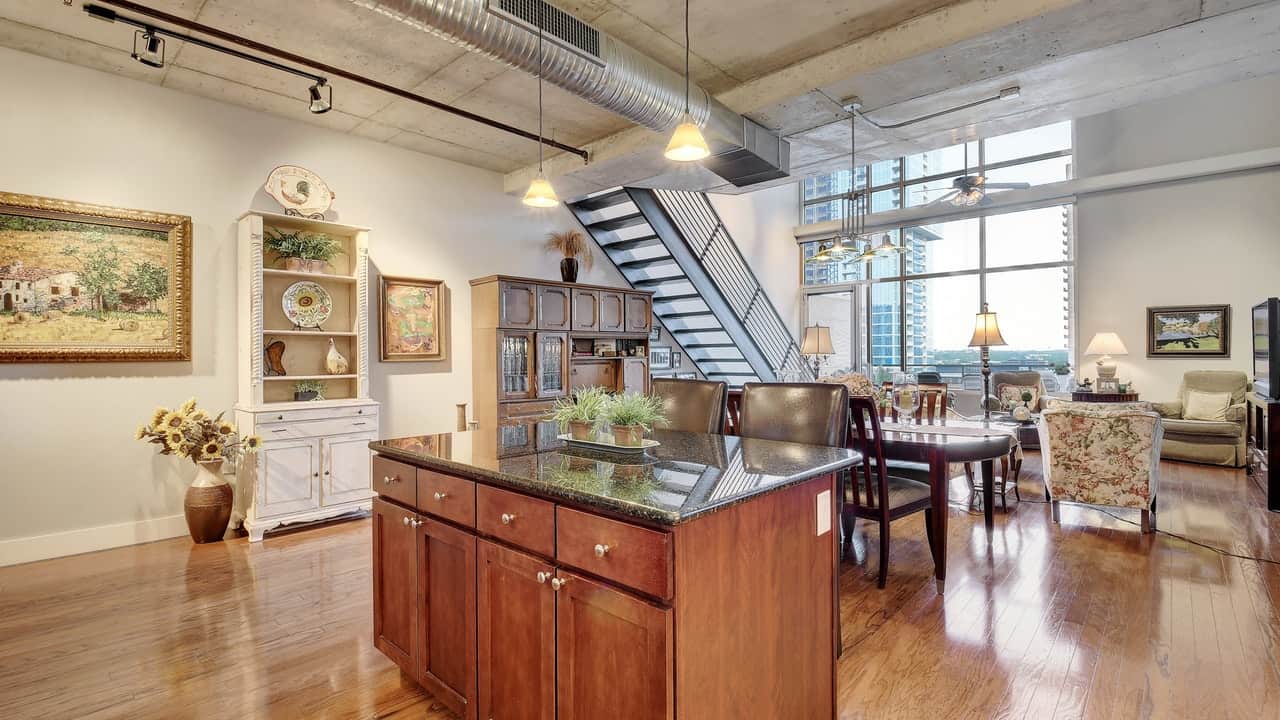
(1089, 619)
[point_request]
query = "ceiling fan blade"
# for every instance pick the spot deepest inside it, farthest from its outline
(1007, 185)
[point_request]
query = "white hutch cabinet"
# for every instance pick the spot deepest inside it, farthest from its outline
(315, 459)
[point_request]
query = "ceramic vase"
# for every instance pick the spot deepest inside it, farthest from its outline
(300, 265)
(569, 270)
(208, 503)
(628, 435)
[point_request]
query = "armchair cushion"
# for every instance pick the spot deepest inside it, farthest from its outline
(1203, 428)
(1009, 394)
(1202, 405)
(1171, 409)
(1024, 378)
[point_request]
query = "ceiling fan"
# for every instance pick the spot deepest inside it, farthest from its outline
(970, 190)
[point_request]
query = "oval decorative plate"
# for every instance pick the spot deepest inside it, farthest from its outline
(306, 304)
(299, 191)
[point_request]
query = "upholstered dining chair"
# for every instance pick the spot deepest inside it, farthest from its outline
(692, 405)
(1102, 455)
(877, 491)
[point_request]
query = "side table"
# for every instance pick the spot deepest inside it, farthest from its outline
(1100, 397)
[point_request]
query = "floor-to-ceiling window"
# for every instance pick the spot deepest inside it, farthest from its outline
(920, 302)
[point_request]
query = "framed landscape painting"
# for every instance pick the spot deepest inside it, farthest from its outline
(1189, 330)
(412, 325)
(87, 283)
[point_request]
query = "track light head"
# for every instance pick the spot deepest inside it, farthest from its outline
(148, 48)
(321, 102)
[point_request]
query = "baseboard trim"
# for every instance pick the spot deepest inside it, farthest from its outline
(15, 551)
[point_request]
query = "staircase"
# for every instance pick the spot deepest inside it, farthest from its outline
(673, 243)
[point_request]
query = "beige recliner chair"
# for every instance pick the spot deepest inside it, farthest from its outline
(1215, 442)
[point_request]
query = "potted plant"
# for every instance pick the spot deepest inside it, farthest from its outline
(631, 415)
(572, 246)
(580, 414)
(302, 251)
(308, 390)
(191, 433)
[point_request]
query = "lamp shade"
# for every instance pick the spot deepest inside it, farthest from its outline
(687, 143)
(1106, 343)
(986, 331)
(817, 341)
(541, 194)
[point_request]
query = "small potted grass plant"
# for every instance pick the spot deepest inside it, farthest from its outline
(631, 415)
(302, 251)
(581, 413)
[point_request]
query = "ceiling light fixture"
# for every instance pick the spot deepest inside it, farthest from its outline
(148, 48)
(320, 101)
(687, 143)
(540, 193)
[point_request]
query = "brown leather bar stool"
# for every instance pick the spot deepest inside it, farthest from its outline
(692, 405)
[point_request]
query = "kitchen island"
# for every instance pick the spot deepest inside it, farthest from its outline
(515, 577)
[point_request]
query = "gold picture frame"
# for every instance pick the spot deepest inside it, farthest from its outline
(412, 325)
(91, 283)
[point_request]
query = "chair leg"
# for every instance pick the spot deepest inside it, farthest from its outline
(968, 475)
(884, 554)
(1147, 524)
(1054, 505)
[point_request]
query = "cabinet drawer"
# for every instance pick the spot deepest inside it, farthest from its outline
(326, 413)
(518, 519)
(317, 428)
(446, 496)
(525, 410)
(628, 554)
(395, 480)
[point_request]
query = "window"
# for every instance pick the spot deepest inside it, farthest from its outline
(920, 302)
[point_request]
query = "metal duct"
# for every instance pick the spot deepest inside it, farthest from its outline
(600, 69)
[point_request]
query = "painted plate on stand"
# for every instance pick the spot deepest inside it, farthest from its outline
(299, 191)
(306, 304)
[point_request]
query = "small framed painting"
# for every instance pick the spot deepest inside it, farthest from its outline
(412, 326)
(659, 357)
(687, 376)
(675, 359)
(655, 331)
(1189, 330)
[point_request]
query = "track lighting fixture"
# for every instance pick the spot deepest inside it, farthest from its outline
(687, 143)
(321, 102)
(148, 47)
(540, 193)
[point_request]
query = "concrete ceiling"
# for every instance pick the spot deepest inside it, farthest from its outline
(774, 61)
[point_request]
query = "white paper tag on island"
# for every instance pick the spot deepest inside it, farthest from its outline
(824, 512)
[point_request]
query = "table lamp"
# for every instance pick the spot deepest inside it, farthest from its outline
(1106, 344)
(817, 345)
(986, 333)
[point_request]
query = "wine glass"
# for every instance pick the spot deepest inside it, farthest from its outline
(905, 395)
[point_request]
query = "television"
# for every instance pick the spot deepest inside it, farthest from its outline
(1266, 347)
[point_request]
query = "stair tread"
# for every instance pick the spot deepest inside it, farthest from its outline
(600, 202)
(632, 244)
(681, 315)
(618, 223)
(646, 262)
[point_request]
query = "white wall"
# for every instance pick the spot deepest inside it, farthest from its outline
(762, 223)
(1209, 241)
(71, 477)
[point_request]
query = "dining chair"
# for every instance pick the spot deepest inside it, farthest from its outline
(691, 405)
(934, 401)
(875, 491)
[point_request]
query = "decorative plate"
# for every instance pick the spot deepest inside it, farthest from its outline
(645, 444)
(306, 304)
(299, 191)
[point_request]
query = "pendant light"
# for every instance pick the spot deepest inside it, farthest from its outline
(687, 143)
(540, 193)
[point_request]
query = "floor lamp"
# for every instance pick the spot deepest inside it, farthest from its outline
(986, 334)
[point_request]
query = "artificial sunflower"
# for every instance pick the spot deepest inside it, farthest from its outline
(158, 416)
(197, 415)
(211, 450)
(175, 441)
(140, 433)
(226, 428)
(173, 421)
(187, 407)
(252, 443)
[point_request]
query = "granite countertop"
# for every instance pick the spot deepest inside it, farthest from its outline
(688, 475)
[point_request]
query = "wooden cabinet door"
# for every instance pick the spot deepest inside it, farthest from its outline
(635, 375)
(612, 312)
(446, 593)
(639, 313)
(516, 366)
(586, 310)
(395, 598)
(553, 364)
(346, 463)
(517, 305)
(288, 478)
(613, 654)
(517, 636)
(593, 373)
(554, 308)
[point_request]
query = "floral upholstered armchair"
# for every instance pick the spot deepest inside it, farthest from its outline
(1100, 455)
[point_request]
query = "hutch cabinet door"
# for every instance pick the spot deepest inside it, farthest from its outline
(639, 313)
(554, 308)
(447, 615)
(288, 477)
(635, 375)
(516, 366)
(517, 636)
(586, 310)
(553, 365)
(600, 627)
(517, 305)
(346, 460)
(395, 598)
(597, 373)
(612, 312)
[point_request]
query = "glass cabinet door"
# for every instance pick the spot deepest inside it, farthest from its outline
(515, 354)
(553, 364)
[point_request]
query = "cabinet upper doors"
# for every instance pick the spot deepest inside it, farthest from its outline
(288, 477)
(447, 615)
(599, 627)
(346, 468)
(516, 360)
(639, 313)
(516, 608)
(395, 598)
(554, 307)
(517, 305)
(612, 312)
(553, 364)
(586, 310)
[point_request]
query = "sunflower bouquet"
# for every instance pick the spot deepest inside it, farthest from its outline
(190, 432)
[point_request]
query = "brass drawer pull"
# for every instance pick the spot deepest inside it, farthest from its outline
(507, 518)
(601, 550)
(388, 479)
(440, 496)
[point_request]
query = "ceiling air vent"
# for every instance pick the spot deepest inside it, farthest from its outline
(560, 27)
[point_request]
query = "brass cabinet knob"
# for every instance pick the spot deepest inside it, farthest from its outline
(557, 583)
(387, 479)
(406, 520)
(543, 577)
(416, 523)
(601, 550)
(507, 518)
(440, 496)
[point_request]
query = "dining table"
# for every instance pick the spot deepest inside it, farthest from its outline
(950, 440)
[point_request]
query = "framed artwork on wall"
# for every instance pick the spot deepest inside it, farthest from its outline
(1189, 331)
(88, 283)
(412, 326)
(655, 331)
(659, 357)
(687, 376)
(675, 359)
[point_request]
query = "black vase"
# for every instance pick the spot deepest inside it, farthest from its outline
(569, 270)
